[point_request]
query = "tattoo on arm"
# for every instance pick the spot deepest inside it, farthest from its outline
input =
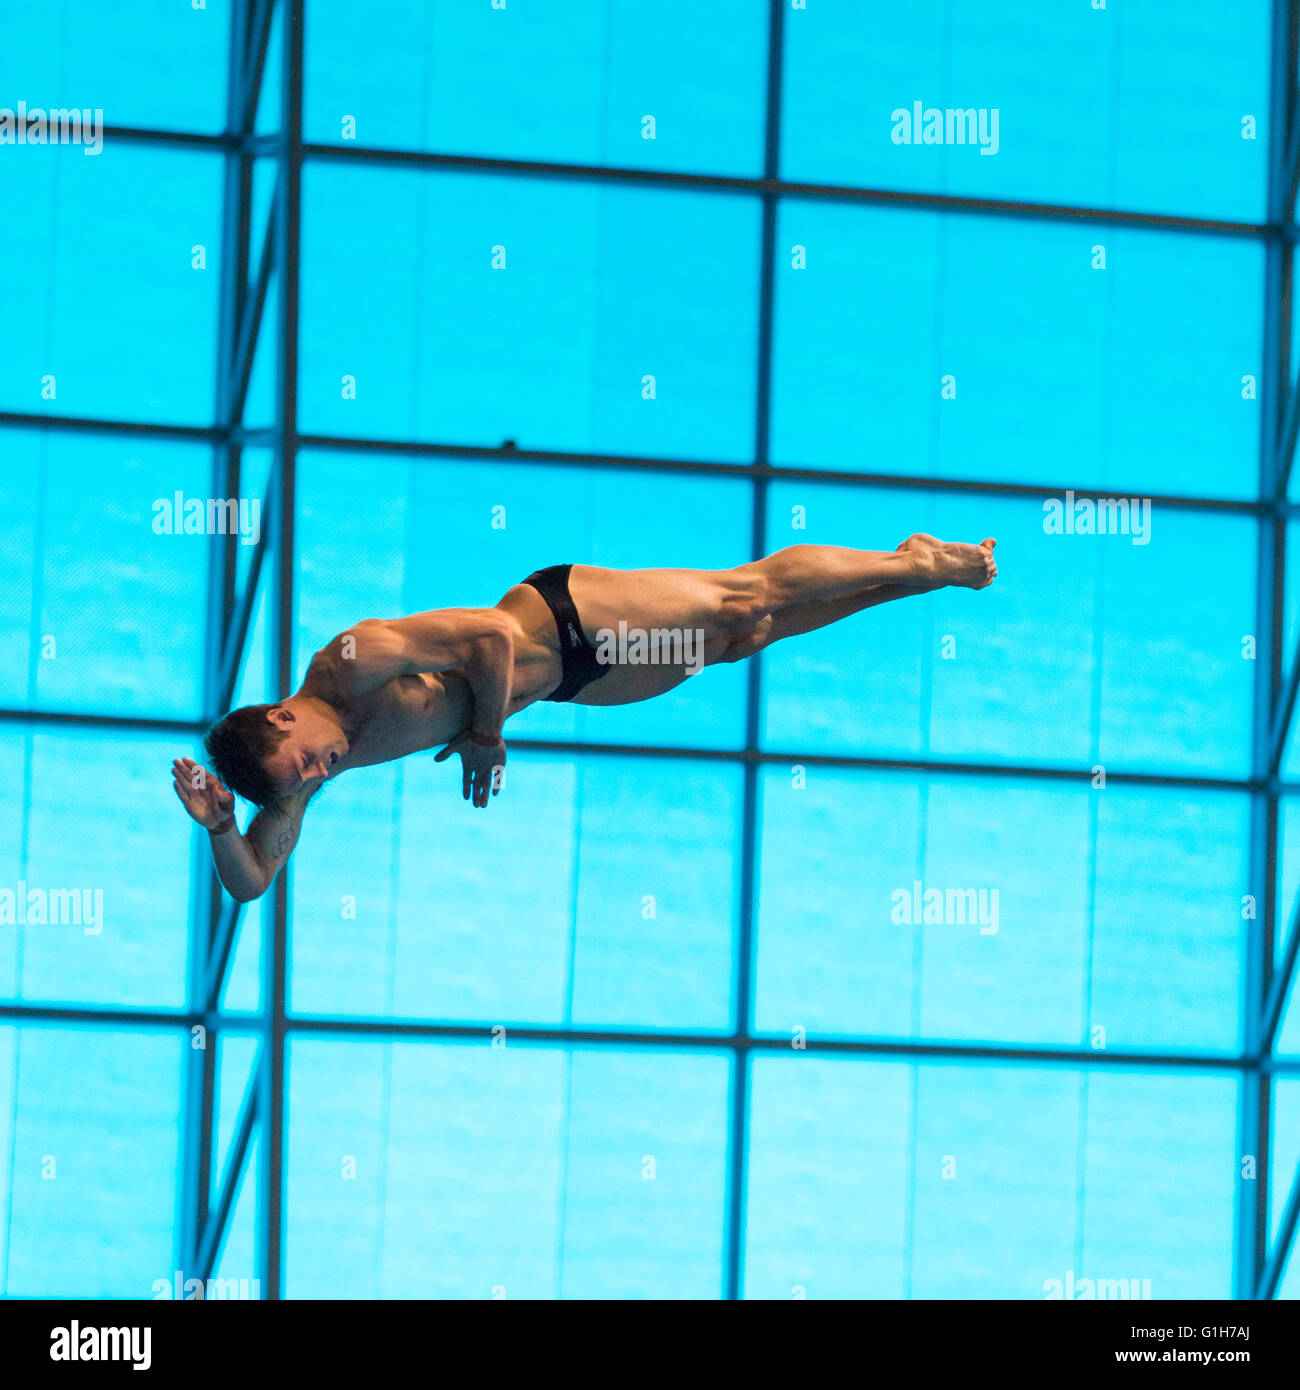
(281, 846)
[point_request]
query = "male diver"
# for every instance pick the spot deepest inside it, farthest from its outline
(389, 687)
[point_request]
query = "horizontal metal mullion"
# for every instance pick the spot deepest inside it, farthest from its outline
(850, 761)
(769, 472)
(738, 755)
(74, 719)
(17, 1011)
(892, 1047)
(221, 141)
(211, 1020)
(726, 183)
(337, 443)
(151, 135)
(338, 1026)
(198, 434)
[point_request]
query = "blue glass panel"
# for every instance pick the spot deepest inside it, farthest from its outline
(587, 82)
(1000, 877)
(97, 929)
(481, 1171)
(1168, 933)
(150, 63)
(572, 304)
(996, 1173)
(933, 345)
(1141, 106)
(974, 1176)
(645, 1174)
(101, 602)
(1158, 1180)
(94, 322)
(821, 1133)
(400, 906)
(93, 1166)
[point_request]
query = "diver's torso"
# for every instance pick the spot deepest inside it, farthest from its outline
(407, 714)
(410, 714)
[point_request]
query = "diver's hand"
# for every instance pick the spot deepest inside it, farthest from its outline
(202, 794)
(482, 767)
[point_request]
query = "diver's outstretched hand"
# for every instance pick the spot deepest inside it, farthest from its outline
(482, 769)
(203, 795)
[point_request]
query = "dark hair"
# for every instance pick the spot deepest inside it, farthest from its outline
(238, 746)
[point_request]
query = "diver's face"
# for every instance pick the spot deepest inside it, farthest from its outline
(309, 753)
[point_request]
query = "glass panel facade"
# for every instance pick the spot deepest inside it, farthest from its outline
(944, 952)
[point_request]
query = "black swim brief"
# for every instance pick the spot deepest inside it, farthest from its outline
(579, 666)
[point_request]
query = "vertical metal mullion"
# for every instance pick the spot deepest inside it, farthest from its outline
(739, 1119)
(200, 1072)
(1281, 214)
(1253, 1113)
(271, 1212)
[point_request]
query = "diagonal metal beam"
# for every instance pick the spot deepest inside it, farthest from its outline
(223, 940)
(241, 369)
(214, 1228)
(1292, 185)
(1280, 984)
(1280, 725)
(1270, 1276)
(236, 637)
(259, 36)
(1286, 442)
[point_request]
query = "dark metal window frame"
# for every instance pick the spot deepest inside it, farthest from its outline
(246, 271)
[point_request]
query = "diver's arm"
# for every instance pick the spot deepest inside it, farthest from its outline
(245, 864)
(270, 840)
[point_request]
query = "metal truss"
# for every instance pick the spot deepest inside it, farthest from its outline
(254, 256)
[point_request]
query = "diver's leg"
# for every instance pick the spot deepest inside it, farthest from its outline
(627, 684)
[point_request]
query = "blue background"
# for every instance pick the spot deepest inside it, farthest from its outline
(562, 1166)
